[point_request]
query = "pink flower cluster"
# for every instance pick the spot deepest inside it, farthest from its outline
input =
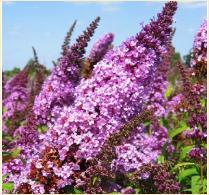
(200, 45)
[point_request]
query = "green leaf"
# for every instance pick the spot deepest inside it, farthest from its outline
(146, 123)
(6, 154)
(94, 180)
(16, 152)
(179, 130)
(5, 176)
(114, 193)
(160, 159)
(195, 185)
(4, 109)
(138, 190)
(205, 186)
(42, 129)
(9, 138)
(187, 190)
(77, 191)
(204, 145)
(187, 172)
(164, 123)
(8, 123)
(22, 122)
(8, 186)
(203, 102)
(182, 164)
(168, 92)
(184, 152)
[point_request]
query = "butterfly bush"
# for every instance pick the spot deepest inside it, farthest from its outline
(118, 89)
(199, 52)
(100, 48)
(15, 99)
(156, 179)
(194, 93)
(65, 45)
(157, 98)
(107, 114)
(97, 52)
(58, 89)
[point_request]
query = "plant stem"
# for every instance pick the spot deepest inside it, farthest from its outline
(201, 177)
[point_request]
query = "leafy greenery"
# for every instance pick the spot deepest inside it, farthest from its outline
(8, 187)
(10, 73)
(177, 131)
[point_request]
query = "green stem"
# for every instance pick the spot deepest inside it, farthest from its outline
(201, 177)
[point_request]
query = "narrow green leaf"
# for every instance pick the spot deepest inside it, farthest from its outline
(77, 191)
(16, 152)
(184, 152)
(168, 91)
(160, 159)
(94, 180)
(5, 176)
(187, 172)
(4, 109)
(164, 122)
(204, 145)
(195, 185)
(42, 129)
(8, 123)
(203, 102)
(138, 190)
(182, 164)
(187, 190)
(9, 138)
(177, 131)
(6, 154)
(8, 186)
(205, 186)
(146, 123)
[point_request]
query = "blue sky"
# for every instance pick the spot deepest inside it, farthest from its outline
(44, 25)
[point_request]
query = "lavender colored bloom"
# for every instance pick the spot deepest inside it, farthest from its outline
(157, 98)
(15, 100)
(144, 175)
(198, 154)
(58, 89)
(170, 147)
(111, 96)
(14, 166)
(65, 45)
(100, 48)
(199, 53)
(175, 101)
(196, 134)
(117, 91)
(98, 51)
(160, 180)
(128, 190)
(140, 149)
